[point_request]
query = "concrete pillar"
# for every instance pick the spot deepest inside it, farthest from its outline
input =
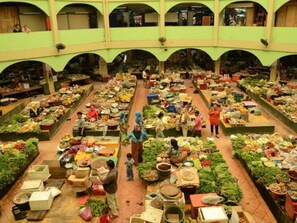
(190, 18)
(217, 66)
(48, 76)
(103, 70)
(126, 18)
(161, 66)
(273, 71)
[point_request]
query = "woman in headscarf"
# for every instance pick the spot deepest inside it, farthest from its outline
(123, 125)
(138, 119)
(137, 137)
(93, 114)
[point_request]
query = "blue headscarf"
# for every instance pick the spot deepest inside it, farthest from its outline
(138, 118)
(122, 117)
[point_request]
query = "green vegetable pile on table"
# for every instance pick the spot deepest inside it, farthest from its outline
(149, 157)
(96, 206)
(245, 149)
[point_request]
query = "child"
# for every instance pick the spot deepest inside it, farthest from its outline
(129, 163)
(104, 218)
(81, 124)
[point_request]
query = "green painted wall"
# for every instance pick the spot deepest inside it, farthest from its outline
(189, 32)
(23, 41)
(242, 33)
(284, 35)
(80, 36)
(134, 33)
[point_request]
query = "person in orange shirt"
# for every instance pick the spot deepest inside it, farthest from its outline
(214, 119)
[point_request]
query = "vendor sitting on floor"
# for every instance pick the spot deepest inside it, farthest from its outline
(93, 114)
(34, 111)
(174, 149)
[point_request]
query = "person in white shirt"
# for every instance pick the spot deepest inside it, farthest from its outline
(144, 77)
(26, 29)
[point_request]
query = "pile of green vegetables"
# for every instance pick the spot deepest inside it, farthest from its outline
(96, 206)
(217, 179)
(261, 174)
(151, 150)
(13, 161)
(151, 111)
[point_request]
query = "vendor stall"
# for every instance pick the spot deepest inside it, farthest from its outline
(279, 99)
(179, 174)
(270, 161)
(43, 119)
(109, 100)
(239, 114)
(14, 159)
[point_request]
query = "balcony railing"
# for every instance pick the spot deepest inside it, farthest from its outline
(25, 41)
(242, 33)
(81, 36)
(284, 35)
(189, 32)
(134, 33)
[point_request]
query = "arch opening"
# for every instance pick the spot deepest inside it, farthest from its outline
(189, 58)
(189, 14)
(134, 61)
(79, 16)
(133, 15)
(285, 15)
(22, 17)
(243, 14)
(242, 61)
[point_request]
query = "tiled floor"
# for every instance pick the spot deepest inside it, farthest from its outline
(131, 193)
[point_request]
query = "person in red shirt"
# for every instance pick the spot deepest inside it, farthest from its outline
(214, 119)
(198, 125)
(104, 218)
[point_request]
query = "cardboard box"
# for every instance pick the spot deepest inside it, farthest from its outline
(38, 172)
(32, 186)
(243, 214)
(41, 201)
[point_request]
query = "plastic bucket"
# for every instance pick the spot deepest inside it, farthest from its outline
(171, 212)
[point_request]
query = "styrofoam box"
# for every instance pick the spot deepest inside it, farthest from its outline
(41, 201)
(34, 172)
(32, 185)
(212, 214)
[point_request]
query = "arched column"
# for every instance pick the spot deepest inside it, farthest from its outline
(217, 63)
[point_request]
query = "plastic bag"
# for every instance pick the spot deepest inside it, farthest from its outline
(86, 213)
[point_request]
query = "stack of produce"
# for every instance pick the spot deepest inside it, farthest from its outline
(267, 156)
